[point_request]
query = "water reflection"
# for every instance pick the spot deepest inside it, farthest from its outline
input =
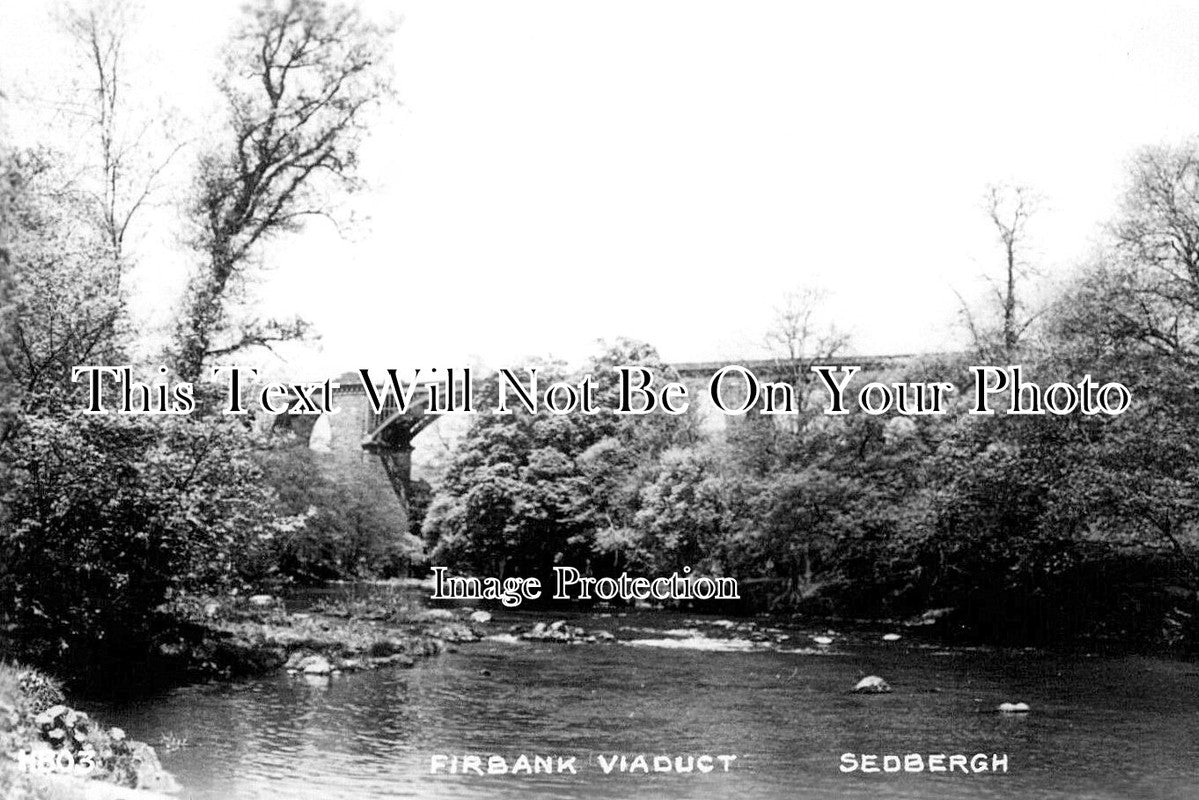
(1101, 728)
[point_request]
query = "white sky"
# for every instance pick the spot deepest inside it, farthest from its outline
(561, 172)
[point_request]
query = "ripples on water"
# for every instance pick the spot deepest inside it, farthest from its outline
(1100, 727)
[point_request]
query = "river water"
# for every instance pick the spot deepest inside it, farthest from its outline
(1100, 727)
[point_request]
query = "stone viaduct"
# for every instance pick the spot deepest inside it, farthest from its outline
(390, 438)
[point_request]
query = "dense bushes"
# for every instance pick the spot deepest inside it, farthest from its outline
(108, 524)
(351, 518)
(527, 491)
(109, 517)
(1030, 528)
(109, 520)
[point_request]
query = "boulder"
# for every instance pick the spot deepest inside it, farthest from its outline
(558, 631)
(891, 637)
(872, 684)
(50, 715)
(262, 600)
(481, 617)
(150, 775)
(1013, 708)
(315, 665)
(294, 660)
(453, 632)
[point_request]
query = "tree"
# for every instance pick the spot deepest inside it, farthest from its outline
(8, 188)
(1136, 309)
(527, 491)
(1145, 287)
(797, 340)
(65, 223)
(1009, 209)
(131, 154)
(299, 81)
(66, 302)
(688, 513)
(353, 525)
(110, 517)
(1132, 312)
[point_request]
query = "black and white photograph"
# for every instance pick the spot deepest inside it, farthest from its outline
(663, 400)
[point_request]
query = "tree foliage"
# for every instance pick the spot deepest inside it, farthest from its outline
(527, 491)
(300, 79)
(66, 306)
(107, 518)
(133, 145)
(351, 521)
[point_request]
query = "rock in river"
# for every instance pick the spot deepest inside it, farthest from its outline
(558, 631)
(1013, 708)
(872, 684)
(453, 632)
(315, 665)
(481, 617)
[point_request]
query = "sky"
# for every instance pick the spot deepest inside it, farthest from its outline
(558, 173)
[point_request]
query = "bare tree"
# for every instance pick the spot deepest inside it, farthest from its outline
(1152, 275)
(1009, 208)
(132, 151)
(299, 81)
(798, 339)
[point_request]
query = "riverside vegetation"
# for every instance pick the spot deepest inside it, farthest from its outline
(48, 746)
(126, 539)
(37, 729)
(1030, 529)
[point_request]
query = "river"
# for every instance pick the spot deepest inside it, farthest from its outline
(1100, 727)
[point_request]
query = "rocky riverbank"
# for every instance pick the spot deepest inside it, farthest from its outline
(239, 637)
(50, 751)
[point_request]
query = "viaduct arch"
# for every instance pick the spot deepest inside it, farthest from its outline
(388, 437)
